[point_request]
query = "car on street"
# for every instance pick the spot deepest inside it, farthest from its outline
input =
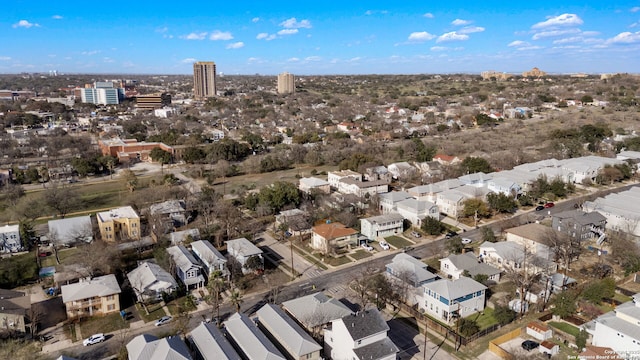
(451, 234)
(416, 234)
(384, 245)
(407, 248)
(549, 205)
(94, 339)
(539, 207)
(367, 247)
(163, 320)
(529, 345)
(466, 241)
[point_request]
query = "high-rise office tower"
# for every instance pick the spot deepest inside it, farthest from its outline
(286, 83)
(204, 79)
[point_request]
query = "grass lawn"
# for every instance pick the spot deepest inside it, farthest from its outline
(568, 328)
(622, 298)
(361, 254)
(337, 261)
(484, 319)
(398, 242)
(102, 324)
(155, 312)
(175, 305)
(64, 255)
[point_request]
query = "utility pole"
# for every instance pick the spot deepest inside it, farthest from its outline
(426, 324)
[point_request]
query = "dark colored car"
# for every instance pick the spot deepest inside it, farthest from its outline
(451, 234)
(549, 205)
(539, 208)
(529, 345)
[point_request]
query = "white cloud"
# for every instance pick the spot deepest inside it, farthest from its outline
(313, 58)
(195, 36)
(439, 48)
(635, 9)
(108, 60)
(236, 45)
(220, 35)
(162, 30)
(188, 60)
(524, 48)
(428, 15)
(57, 17)
(471, 29)
(552, 33)
(590, 33)
(569, 40)
(25, 24)
(560, 20)
(288, 31)
(634, 24)
(293, 23)
(265, 36)
(518, 43)
(89, 53)
(625, 38)
(452, 36)
(5, 58)
(420, 36)
(293, 59)
(255, 19)
(460, 22)
(354, 59)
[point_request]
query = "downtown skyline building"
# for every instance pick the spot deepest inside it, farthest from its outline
(286, 83)
(204, 79)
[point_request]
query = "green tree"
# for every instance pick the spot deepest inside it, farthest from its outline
(236, 299)
(432, 226)
(481, 278)
(423, 152)
(504, 315)
(278, 195)
(472, 165)
(487, 234)
(564, 304)
(454, 245)
(467, 327)
(254, 263)
(581, 339)
(193, 155)
(475, 207)
(161, 156)
(501, 203)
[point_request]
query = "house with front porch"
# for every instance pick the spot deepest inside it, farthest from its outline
(382, 225)
(448, 300)
(97, 296)
(242, 250)
(388, 201)
(332, 237)
(455, 265)
(415, 211)
(187, 268)
(210, 258)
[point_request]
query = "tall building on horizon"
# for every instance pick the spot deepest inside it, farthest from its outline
(286, 83)
(204, 79)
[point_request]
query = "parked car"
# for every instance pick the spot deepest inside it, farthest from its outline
(163, 320)
(384, 245)
(416, 234)
(451, 234)
(94, 339)
(407, 248)
(529, 345)
(549, 205)
(466, 241)
(539, 207)
(367, 247)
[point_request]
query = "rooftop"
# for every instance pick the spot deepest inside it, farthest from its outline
(99, 286)
(125, 212)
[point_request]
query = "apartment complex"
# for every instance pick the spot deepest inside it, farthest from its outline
(101, 93)
(119, 224)
(286, 83)
(204, 79)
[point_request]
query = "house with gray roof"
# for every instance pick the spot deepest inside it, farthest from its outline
(587, 167)
(315, 310)
(187, 268)
(97, 296)
(401, 170)
(209, 343)
(621, 210)
(361, 336)
(150, 281)
(149, 347)
(70, 230)
(455, 265)
(242, 250)
(447, 299)
(210, 258)
(287, 334)
(504, 185)
(415, 211)
(15, 309)
(406, 268)
(180, 237)
(430, 192)
(250, 342)
(312, 184)
(389, 200)
(478, 179)
(618, 329)
(168, 215)
(513, 255)
(381, 225)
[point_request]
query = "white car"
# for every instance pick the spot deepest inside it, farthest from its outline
(93, 339)
(367, 247)
(384, 245)
(163, 320)
(466, 241)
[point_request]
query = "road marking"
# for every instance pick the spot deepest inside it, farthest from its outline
(313, 273)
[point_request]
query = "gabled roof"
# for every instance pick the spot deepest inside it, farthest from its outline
(242, 247)
(333, 230)
(417, 206)
(381, 219)
(14, 302)
(168, 207)
(403, 263)
(534, 231)
(313, 182)
(364, 324)
(149, 347)
(207, 252)
(454, 289)
(581, 217)
(316, 309)
(147, 274)
(381, 349)
(254, 344)
(69, 229)
(212, 344)
(507, 250)
(182, 257)
(99, 286)
(290, 335)
(394, 196)
(178, 237)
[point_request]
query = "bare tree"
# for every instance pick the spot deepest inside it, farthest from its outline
(521, 269)
(62, 199)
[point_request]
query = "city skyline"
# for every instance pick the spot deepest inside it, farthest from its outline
(332, 38)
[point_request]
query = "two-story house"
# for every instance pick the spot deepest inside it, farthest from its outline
(15, 309)
(361, 336)
(167, 215)
(388, 201)
(330, 237)
(71, 230)
(448, 300)
(10, 239)
(150, 281)
(187, 268)
(618, 329)
(312, 185)
(250, 342)
(382, 225)
(315, 310)
(334, 177)
(242, 250)
(287, 334)
(210, 257)
(415, 211)
(119, 224)
(455, 266)
(97, 296)
(407, 269)
(361, 189)
(580, 225)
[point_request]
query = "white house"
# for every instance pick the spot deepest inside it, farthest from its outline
(10, 239)
(150, 281)
(512, 255)
(416, 211)
(312, 184)
(406, 268)
(455, 265)
(71, 230)
(210, 257)
(618, 329)
(382, 225)
(361, 336)
(210, 343)
(448, 299)
(388, 201)
(506, 186)
(242, 249)
(315, 310)
(401, 170)
(451, 202)
(251, 342)
(149, 347)
(187, 268)
(334, 177)
(359, 188)
(621, 210)
(280, 328)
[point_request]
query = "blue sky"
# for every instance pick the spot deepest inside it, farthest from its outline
(311, 37)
